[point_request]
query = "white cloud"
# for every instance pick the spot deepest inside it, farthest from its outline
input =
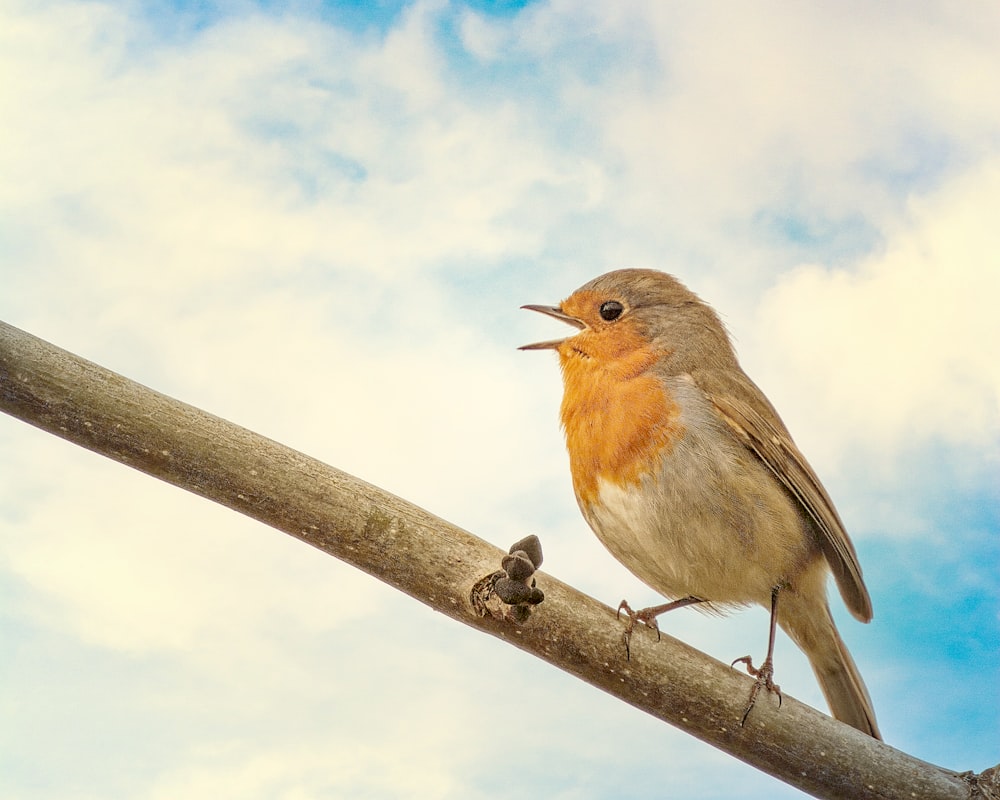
(258, 147)
(325, 769)
(899, 351)
(714, 129)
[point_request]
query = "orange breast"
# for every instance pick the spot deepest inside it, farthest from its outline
(617, 417)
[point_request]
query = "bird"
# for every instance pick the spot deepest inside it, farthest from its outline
(687, 475)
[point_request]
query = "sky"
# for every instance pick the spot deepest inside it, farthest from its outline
(319, 220)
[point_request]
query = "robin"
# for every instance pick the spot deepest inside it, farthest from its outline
(688, 476)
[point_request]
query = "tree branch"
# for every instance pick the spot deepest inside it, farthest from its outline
(438, 564)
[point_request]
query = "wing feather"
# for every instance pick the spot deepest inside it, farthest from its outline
(757, 425)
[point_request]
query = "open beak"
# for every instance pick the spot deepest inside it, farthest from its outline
(558, 313)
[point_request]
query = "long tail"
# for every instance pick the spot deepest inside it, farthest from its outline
(811, 627)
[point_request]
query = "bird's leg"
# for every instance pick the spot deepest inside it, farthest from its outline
(765, 673)
(647, 616)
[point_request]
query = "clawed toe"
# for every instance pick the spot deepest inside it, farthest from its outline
(764, 680)
(647, 616)
(644, 615)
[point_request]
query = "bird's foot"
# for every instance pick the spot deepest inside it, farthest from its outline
(647, 616)
(765, 680)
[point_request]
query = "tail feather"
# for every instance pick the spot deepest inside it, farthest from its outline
(812, 628)
(844, 689)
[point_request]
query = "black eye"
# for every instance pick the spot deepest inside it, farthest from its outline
(611, 310)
